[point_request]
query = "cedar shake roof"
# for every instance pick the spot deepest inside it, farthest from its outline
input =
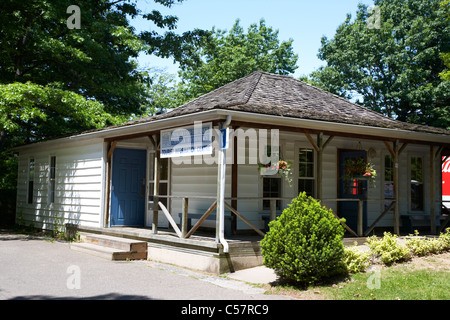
(284, 96)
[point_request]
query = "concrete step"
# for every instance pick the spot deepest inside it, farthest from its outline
(111, 248)
(114, 242)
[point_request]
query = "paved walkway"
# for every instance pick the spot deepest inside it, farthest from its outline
(36, 268)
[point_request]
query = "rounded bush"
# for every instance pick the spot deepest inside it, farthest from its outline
(304, 244)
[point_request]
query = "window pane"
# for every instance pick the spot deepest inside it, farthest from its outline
(31, 170)
(416, 196)
(306, 163)
(271, 189)
(354, 187)
(416, 169)
(388, 169)
(30, 191)
(163, 192)
(416, 184)
(164, 167)
(310, 170)
(52, 191)
(30, 181)
(151, 165)
(306, 185)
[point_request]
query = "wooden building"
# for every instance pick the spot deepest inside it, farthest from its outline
(113, 177)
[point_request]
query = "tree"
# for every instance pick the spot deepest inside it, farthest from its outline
(56, 80)
(30, 112)
(98, 60)
(226, 56)
(446, 55)
(164, 92)
(394, 67)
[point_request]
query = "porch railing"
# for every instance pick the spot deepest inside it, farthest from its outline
(183, 231)
(360, 218)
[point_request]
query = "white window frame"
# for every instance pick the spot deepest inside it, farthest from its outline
(151, 178)
(296, 172)
(409, 166)
(51, 187)
(29, 180)
(261, 184)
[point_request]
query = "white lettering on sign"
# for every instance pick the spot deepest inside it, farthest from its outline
(187, 141)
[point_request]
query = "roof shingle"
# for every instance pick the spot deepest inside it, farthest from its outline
(284, 96)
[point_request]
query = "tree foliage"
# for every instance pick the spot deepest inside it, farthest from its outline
(98, 60)
(30, 112)
(445, 74)
(223, 57)
(394, 68)
(56, 81)
(164, 92)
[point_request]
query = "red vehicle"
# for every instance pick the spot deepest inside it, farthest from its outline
(446, 183)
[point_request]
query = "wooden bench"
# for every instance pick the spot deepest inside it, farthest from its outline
(417, 220)
(266, 219)
(197, 216)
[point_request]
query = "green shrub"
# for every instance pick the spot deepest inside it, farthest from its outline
(356, 260)
(304, 244)
(444, 240)
(388, 249)
(422, 246)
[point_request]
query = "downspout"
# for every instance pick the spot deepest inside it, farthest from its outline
(220, 219)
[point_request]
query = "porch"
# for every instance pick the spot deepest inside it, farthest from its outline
(199, 252)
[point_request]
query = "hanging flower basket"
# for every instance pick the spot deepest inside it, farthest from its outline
(281, 167)
(359, 169)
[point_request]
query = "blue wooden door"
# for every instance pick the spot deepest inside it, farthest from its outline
(351, 189)
(128, 187)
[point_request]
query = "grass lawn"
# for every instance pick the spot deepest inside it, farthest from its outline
(395, 284)
(426, 278)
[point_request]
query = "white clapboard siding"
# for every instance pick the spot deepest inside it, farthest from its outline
(195, 180)
(78, 189)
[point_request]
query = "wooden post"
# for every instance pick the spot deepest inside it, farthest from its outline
(184, 218)
(395, 153)
(273, 209)
(319, 147)
(234, 181)
(396, 190)
(432, 195)
(111, 148)
(360, 230)
(319, 165)
(157, 174)
(170, 219)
